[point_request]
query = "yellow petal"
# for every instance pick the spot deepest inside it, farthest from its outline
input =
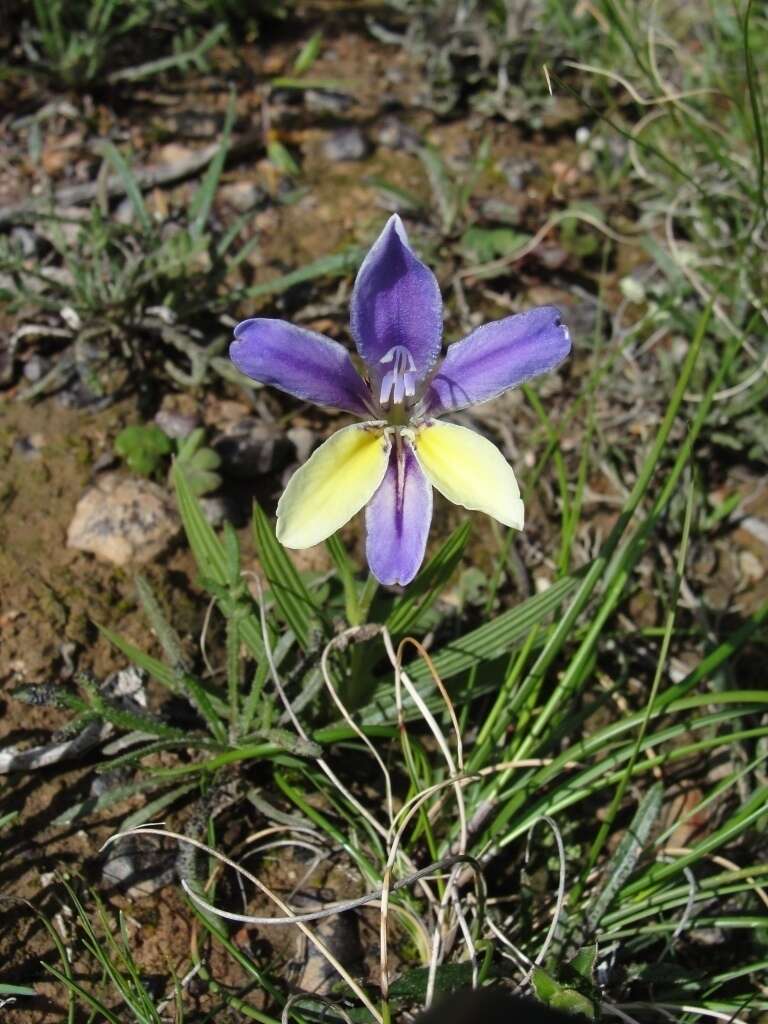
(334, 484)
(470, 471)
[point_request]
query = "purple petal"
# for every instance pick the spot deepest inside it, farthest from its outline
(498, 356)
(397, 519)
(307, 365)
(396, 304)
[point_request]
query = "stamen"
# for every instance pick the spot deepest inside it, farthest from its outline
(400, 381)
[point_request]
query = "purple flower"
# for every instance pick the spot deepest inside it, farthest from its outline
(390, 462)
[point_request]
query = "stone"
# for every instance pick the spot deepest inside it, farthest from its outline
(392, 133)
(35, 367)
(303, 440)
(251, 448)
(25, 240)
(216, 509)
(324, 101)
(29, 447)
(123, 519)
(177, 424)
(345, 144)
(138, 867)
(241, 195)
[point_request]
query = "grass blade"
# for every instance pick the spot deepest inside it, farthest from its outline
(206, 546)
(291, 595)
(627, 853)
(200, 207)
(132, 190)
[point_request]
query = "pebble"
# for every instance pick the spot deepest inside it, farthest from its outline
(345, 144)
(123, 519)
(250, 448)
(30, 447)
(241, 195)
(518, 171)
(340, 933)
(392, 133)
(138, 868)
(325, 102)
(124, 212)
(7, 351)
(216, 509)
(26, 240)
(35, 367)
(752, 568)
(177, 424)
(303, 440)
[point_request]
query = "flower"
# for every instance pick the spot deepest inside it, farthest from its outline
(390, 462)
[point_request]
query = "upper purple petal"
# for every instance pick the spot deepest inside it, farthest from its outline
(397, 518)
(498, 356)
(396, 301)
(307, 365)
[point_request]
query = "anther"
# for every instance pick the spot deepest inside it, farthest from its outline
(400, 381)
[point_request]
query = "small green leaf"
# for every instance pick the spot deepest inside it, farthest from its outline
(571, 1001)
(143, 446)
(281, 157)
(308, 53)
(486, 244)
(544, 986)
(199, 463)
(131, 185)
(584, 962)
(206, 546)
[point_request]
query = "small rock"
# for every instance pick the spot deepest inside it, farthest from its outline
(241, 195)
(107, 781)
(177, 424)
(552, 256)
(519, 171)
(107, 460)
(216, 509)
(124, 212)
(341, 935)
(123, 520)
(30, 447)
(138, 868)
(26, 240)
(325, 102)
(66, 227)
(35, 367)
(345, 144)
(393, 134)
(249, 448)
(173, 153)
(303, 440)
(752, 569)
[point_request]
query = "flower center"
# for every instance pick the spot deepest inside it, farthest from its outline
(400, 381)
